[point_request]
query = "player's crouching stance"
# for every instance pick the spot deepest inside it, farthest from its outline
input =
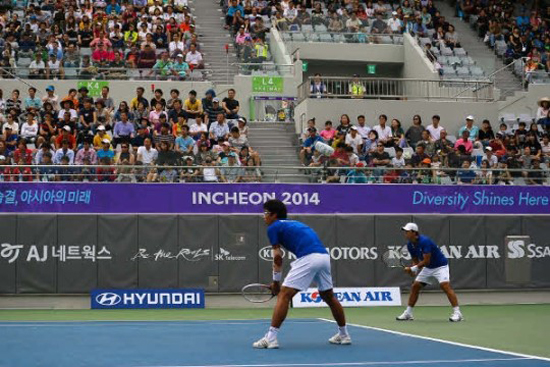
(432, 264)
(312, 264)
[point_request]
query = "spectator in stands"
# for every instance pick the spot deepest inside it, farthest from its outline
(470, 127)
(465, 141)
(123, 131)
(543, 110)
(29, 129)
(192, 107)
(231, 105)
(379, 26)
(51, 97)
(328, 133)
(86, 152)
(179, 68)
(419, 155)
(466, 175)
(486, 134)
(219, 129)
(163, 67)
(354, 140)
(397, 135)
(147, 57)
(194, 58)
(435, 128)
(414, 133)
(308, 146)
(384, 132)
(64, 151)
(419, 29)
(395, 24)
(443, 144)
(37, 68)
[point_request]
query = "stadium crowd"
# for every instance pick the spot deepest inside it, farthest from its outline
(155, 136)
(427, 152)
(524, 32)
(94, 39)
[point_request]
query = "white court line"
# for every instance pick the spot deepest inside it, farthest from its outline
(521, 355)
(382, 363)
(141, 322)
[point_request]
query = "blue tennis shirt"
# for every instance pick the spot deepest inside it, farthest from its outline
(296, 237)
(426, 246)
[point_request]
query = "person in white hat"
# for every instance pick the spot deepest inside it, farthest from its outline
(474, 130)
(429, 264)
(544, 108)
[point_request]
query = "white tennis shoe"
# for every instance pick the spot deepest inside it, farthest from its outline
(340, 339)
(264, 343)
(405, 316)
(456, 317)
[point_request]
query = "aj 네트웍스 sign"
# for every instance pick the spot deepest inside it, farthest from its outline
(118, 198)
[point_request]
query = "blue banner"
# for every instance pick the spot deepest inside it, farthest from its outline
(147, 298)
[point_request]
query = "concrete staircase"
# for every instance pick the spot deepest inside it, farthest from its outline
(485, 58)
(277, 144)
(209, 19)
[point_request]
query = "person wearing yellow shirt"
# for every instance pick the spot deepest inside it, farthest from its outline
(100, 136)
(192, 107)
(356, 88)
(261, 50)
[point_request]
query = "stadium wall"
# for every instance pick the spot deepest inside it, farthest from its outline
(59, 254)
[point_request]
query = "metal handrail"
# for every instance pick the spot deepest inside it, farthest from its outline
(400, 88)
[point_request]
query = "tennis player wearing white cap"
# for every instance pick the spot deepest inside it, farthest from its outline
(429, 264)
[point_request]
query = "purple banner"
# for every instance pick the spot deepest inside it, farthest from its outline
(248, 198)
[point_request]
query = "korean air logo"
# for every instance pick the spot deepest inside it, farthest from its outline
(108, 299)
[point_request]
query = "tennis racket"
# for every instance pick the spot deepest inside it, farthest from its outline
(396, 258)
(257, 293)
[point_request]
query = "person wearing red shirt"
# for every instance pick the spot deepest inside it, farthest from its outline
(22, 153)
(66, 135)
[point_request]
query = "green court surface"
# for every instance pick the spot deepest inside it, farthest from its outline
(515, 328)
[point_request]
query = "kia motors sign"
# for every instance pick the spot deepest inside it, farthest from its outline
(351, 297)
(147, 298)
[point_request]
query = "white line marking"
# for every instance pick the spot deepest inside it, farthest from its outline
(142, 322)
(526, 356)
(382, 363)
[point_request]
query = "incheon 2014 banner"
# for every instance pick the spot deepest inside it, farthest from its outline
(121, 198)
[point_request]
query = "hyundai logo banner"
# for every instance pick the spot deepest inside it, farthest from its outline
(351, 297)
(147, 298)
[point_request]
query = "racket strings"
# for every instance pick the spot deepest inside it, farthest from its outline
(257, 293)
(394, 258)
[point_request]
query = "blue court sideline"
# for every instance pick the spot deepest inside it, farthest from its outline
(227, 343)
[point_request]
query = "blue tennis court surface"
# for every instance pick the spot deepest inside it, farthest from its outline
(228, 343)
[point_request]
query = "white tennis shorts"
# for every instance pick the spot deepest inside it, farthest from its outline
(440, 274)
(308, 269)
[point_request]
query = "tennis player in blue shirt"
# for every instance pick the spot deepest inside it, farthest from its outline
(429, 264)
(312, 264)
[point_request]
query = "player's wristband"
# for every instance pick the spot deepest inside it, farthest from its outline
(414, 269)
(277, 276)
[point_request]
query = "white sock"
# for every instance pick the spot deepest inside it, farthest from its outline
(456, 309)
(409, 310)
(343, 330)
(272, 333)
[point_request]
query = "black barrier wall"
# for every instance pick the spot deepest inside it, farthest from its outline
(77, 253)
